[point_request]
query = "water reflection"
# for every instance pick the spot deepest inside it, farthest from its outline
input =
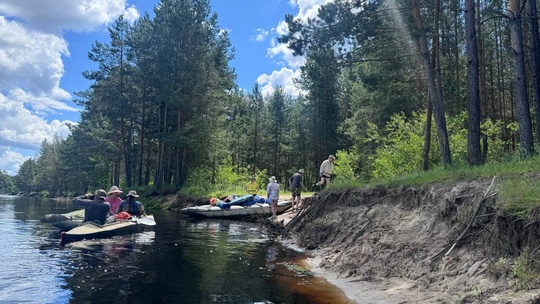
(28, 272)
(176, 261)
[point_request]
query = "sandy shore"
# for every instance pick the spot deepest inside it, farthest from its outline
(358, 291)
(350, 289)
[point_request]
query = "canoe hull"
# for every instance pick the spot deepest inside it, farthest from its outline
(236, 212)
(91, 231)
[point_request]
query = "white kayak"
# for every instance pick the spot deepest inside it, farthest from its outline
(90, 230)
(235, 212)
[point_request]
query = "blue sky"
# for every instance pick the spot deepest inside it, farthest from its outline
(44, 46)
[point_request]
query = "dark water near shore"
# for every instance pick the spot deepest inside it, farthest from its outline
(177, 261)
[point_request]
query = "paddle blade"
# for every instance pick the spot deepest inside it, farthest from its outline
(146, 221)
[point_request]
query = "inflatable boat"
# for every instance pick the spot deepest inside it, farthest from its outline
(254, 211)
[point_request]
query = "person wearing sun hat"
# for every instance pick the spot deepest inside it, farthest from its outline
(326, 171)
(130, 205)
(296, 185)
(113, 198)
(96, 209)
(272, 192)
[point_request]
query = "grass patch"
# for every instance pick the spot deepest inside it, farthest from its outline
(518, 181)
(519, 195)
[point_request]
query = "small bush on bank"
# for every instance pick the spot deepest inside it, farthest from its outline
(526, 271)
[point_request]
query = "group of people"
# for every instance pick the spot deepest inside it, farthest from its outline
(104, 207)
(296, 185)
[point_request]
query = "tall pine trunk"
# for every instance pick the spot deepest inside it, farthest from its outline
(535, 60)
(520, 81)
(434, 87)
(473, 87)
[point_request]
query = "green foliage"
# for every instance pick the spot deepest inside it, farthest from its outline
(25, 180)
(400, 151)
(496, 145)
(457, 129)
(6, 183)
(499, 268)
(345, 166)
(224, 180)
(525, 270)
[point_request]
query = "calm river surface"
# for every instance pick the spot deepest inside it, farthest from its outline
(177, 261)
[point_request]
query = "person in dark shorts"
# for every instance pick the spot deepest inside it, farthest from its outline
(326, 171)
(296, 185)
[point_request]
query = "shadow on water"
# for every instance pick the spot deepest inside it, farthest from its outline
(176, 261)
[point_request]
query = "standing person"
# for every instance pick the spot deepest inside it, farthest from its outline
(296, 185)
(326, 171)
(95, 210)
(252, 187)
(113, 198)
(130, 205)
(272, 191)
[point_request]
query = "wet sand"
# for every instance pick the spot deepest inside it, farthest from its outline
(341, 291)
(353, 290)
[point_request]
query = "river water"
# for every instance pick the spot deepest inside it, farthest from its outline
(177, 261)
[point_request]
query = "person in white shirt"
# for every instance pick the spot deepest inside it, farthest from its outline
(272, 191)
(326, 171)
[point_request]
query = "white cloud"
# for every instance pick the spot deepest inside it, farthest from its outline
(261, 35)
(280, 50)
(21, 128)
(11, 161)
(310, 8)
(283, 78)
(31, 67)
(284, 56)
(55, 16)
(32, 60)
(44, 102)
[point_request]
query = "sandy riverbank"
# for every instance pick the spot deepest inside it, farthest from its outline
(358, 291)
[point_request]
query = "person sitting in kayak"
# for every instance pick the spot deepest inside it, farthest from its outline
(130, 205)
(96, 209)
(113, 198)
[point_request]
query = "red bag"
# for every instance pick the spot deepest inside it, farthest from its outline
(122, 216)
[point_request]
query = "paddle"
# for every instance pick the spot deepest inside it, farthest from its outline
(148, 221)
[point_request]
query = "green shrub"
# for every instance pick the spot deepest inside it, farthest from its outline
(525, 271)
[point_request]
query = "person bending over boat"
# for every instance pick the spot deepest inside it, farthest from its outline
(130, 205)
(95, 210)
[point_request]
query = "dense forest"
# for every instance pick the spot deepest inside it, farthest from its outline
(389, 87)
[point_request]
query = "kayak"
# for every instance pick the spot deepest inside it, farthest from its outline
(235, 212)
(91, 230)
(77, 215)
